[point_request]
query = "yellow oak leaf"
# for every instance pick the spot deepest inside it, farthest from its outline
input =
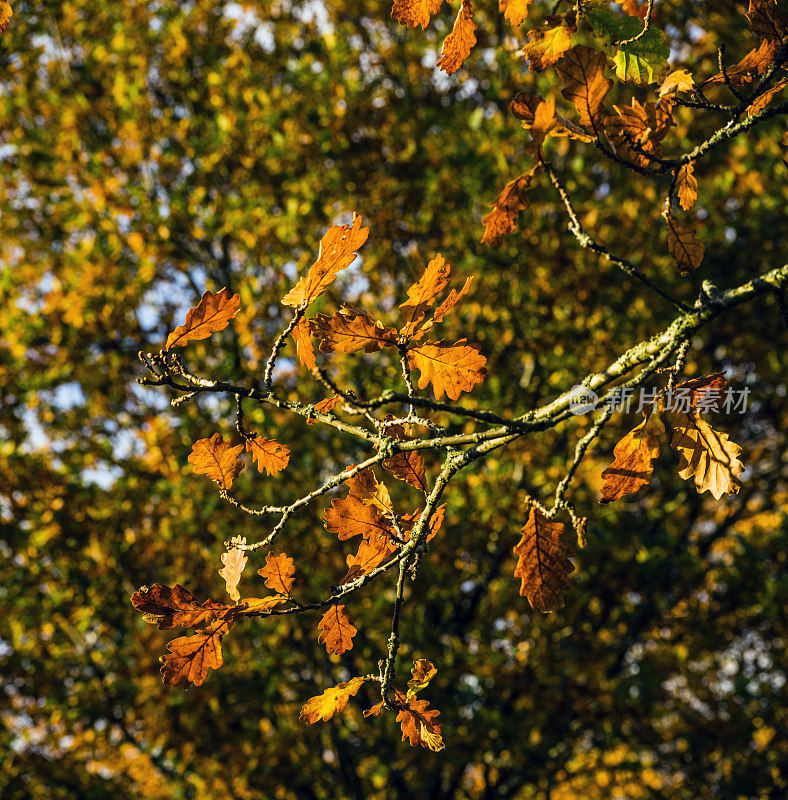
(332, 701)
(217, 459)
(5, 16)
(687, 186)
(270, 456)
(213, 313)
(514, 11)
(458, 44)
(678, 81)
(546, 45)
(450, 368)
(423, 293)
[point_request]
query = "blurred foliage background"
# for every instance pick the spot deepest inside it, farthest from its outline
(152, 150)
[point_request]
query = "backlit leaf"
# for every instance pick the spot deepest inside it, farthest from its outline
(336, 630)
(415, 12)
(176, 607)
(678, 81)
(514, 11)
(192, 657)
(422, 673)
(351, 330)
(458, 44)
(582, 72)
(270, 456)
(234, 562)
(502, 220)
(278, 573)
(213, 313)
(546, 45)
(350, 516)
(217, 459)
(304, 347)
(687, 186)
(332, 701)
(451, 369)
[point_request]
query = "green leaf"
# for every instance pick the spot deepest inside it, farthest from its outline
(644, 60)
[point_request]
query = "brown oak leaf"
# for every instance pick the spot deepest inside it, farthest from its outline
(684, 246)
(270, 456)
(217, 459)
(763, 100)
(543, 564)
(192, 657)
(585, 85)
(502, 220)
(351, 516)
(176, 607)
(419, 724)
(213, 313)
(458, 44)
(331, 702)
(372, 552)
(278, 573)
(336, 630)
(450, 368)
(767, 20)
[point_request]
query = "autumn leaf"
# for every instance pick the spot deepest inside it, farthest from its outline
(687, 186)
(582, 71)
(703, 389)
(213, 313)
(524, 108)
(632, 465)
(257, 605)
(327, 405)
(407, 465)
(192, 657)
(767, 21)
(332, 701)
(452, 369)
(350, 516)
(337, 251)
(678, 81)
(458, 44)
(5, 16)
(763, 100)
(502, 220)
(270, 456)
(304, 347)
(351, 330)
(415, 12)
(755, 62)
(631, 7)
(448, 304)
(234, 562)
(543, 564)
(707, 456)
(637, 130)
(372, 552)
(176, 607)
(420, 726)
(423, 294)
(684, 246)
(217, 459)
(544, 122)
(422, 673)
(547, 44)
(514, 11)
(278, 573)
(336, 630)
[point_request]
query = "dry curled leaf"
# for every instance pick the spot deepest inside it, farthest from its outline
(635, 131)
(332, 701)
(192, 657)
(260, 605)
(336, 630)
(524, 108)
(217, 459)
(634, 455)
(754, 63)
(234, 562)
(176, 607)
(684, 246)
(687, 186)
(423, 294)
(415, 12)
(213, 313)
(278, 573)
(708, 389)
(514, 11)
(305, 350)
(585, 85)
(458, 44)
(351, 330)
(422, 673)
(337, 251)
(768, 20)
(270, 456)
(543, 564)
(450, 368)
(502, 220)
(707, 456)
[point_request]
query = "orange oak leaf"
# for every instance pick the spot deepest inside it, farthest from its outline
(336, 630)
(763, 100)
(213, 313)
(543, 564)
(337, 251)
(687, 186)
(234, 562)
(767, 20)
(325, 407)
(449, 303)
(585, 85)
(332, 701)
(450, 368)
(632, 465)
(422, 673)
(502, 220)
(684, 246)
(547, 44)
(350, 516)
(423, 293)
(408, 521)
(363, 485)
(632, 8)
(544, 122)
(636, 131)
(270, 456)
(278, 573)
(351, 330)
(458, 44)
(192, 657)
(304, 347)
(176, 607)
(514, 11)
(706, 455)
(217, 459)
(260, 605)
(372, 552)
(524, 108)
(707, 388)
(409, 467)
(5, 16)
(678, 81)
(756, 62)
(415, 12)
(419, 724)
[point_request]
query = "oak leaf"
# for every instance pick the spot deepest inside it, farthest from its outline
(270, 456)
(408, 521)
(524, 106)
(452, 369)
(585, 85)
(234, 562)
(351, 330)
(192, 657)
(502, 220)
(637, 130)
(176, 607)
(514, 11)
(756, 62)
(767, 20)
(547, 44)
(304, 348)
(543, 564)
(407, 465)
(703, 390)
(763, 100)
(684, 246)
(458, 44)
(257, 605)
(687, 186)
(336, 630)
(678, 81)
(420, 726)
(423, 294)
(707, 456)
(331, 702)
(213, 313)
(422, 673)
(337, 251)
(632, 465)
(415, 12)
(5, 16)
(325, 406)
(278, 573)
(217, 459)
(372, 552)
(351, 516)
